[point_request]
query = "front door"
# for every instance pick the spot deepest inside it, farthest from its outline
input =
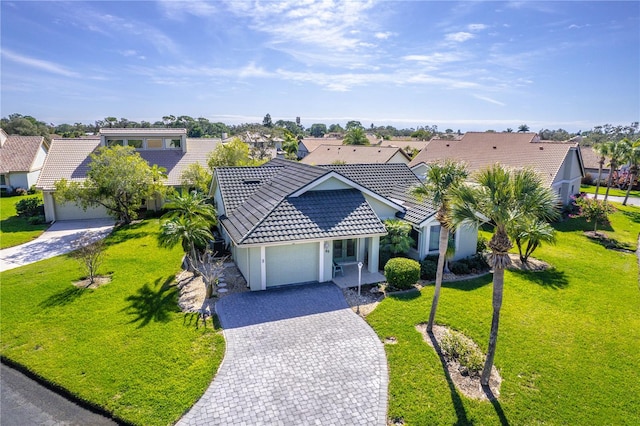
(345, 250)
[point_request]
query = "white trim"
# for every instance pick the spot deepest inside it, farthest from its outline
(321, 261)
(263, 268)
(313, 240)
(335, 175)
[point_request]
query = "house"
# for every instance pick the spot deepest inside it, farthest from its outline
(69, 159)
(406, 144)
(287, 222)
(308, 145)
(21, 159)
(591, 161)
(352, 154)
(560, 165)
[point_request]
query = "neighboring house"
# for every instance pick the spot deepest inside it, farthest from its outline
(69, 159)
(560, 165)
(287, 222)
(404, 144)
(591, 161)
(21, 159)
(308, 145)
(354, 154)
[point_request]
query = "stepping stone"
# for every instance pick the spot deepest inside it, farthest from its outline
(222, 284)
(222, 290)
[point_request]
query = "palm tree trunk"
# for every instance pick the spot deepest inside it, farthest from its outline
(610, 180)
(626, 195)
(599, 177)
(443, 242)
(498, 286)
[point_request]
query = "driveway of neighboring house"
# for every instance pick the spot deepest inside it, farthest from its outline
(632, 201)
(56, 240)
(295, 356)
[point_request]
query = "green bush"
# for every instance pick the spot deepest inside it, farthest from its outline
(428, 269)
(460, 267)
(29, 207)
(402, 273)
(481, 245)
(456, 345)
(36, 220)
(32, 190)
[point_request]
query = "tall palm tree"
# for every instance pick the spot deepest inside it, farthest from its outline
(498, 196)
(191, 205)
(191, 232)
(355, 136)
(602, 149)
(440, 180)
(617, 153)
(633, 158)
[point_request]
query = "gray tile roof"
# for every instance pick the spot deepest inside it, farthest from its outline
(18, 153)
(318, 214)
(69, 159)
(393, 181)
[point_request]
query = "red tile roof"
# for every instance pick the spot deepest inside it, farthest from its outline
(352, 154)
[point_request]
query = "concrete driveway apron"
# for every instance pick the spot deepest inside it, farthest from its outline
(295, 356)
(56, 240)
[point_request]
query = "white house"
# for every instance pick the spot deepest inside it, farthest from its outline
(287, 222)
(21, 159)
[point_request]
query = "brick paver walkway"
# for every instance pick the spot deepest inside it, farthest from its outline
(295, 356)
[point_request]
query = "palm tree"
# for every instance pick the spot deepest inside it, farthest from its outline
(532, 232)
(499, 196)
(633, 158)
(191, 232)
(355, 136)
(617, 154)
(191, 205)
(601, 149)
(290, 145)
(440, 180)
(523, 128)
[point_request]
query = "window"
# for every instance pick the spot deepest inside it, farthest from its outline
(154, 143)
(114, 142)
(415, 238)
(3, 180)
(434, 238)
(136, 143)
(173, 143)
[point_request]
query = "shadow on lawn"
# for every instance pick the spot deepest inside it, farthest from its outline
(470, 284)
(458, 405)
(124, 233)
(149, 304)
(63, 297)
(551, 278)
(579, 224)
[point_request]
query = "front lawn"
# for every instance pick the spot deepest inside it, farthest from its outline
(614, 192)
(124, 346)
(568, 343)
(16, 230)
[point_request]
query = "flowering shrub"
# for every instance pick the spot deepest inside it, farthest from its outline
(593, 210)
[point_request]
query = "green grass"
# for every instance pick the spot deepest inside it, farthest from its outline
(614, 192)
(16, 230)
(568, 348)
(124, 346)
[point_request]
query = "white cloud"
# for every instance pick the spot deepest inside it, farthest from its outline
(435, 58)
(477, 27)
(490, 100)
(383, 35)
(459, 37)
(50, 67)
(178, 9)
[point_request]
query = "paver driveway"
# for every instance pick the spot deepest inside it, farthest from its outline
(295, 356)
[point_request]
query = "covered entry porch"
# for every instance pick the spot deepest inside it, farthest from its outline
(348, 276)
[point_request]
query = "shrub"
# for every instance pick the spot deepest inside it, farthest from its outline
(457, 346)
(36, 220)
(29, 207)
(32, 190)
(20, 191)
(587, 179)
(428, 269)
(481, 245)
(402, 273)
(460, 267)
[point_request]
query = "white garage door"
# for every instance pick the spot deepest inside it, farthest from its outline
(296, 263)
(70, 211)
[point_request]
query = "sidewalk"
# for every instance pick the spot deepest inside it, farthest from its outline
(632, 201)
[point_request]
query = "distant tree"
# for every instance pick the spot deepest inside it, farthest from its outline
(422, 134)
(335, 128)
(196, 177)
(353, 124)
(523, 128)
(118, 179)
(290, 146)
(617, 152)
(230, 154)
(509, 130)
(633, 158)
(24, 125)
(318, 130)
(355, 136)
(266, 121)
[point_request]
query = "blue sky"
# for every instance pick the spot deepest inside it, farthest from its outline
(468, 65)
